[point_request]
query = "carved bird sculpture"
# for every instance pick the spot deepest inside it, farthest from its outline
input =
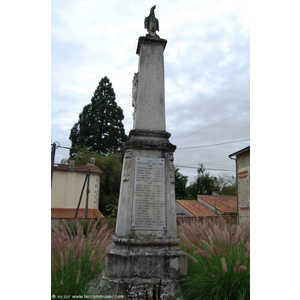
(151, 23)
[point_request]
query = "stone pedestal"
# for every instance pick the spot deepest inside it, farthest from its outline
(145, 248)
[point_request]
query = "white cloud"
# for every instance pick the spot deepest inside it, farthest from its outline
(206, 68)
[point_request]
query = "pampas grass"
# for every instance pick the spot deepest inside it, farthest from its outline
(77, 256)
(220, 264)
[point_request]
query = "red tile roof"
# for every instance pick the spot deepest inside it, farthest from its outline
(78, 168)
(225, 204)
(196, 208)
(69, 213)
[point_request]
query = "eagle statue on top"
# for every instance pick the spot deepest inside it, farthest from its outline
(151, 24)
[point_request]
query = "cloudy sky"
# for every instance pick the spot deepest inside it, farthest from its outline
(207, 71)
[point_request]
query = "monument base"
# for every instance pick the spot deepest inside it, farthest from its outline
(134, 266)
(145, 246)
(135, 288)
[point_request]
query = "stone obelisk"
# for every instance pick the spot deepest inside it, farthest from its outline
(145, 248)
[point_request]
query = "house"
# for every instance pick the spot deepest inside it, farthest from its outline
(67, 188)
(242, 158)
(192, 208)
(220, 204)
(207, 206)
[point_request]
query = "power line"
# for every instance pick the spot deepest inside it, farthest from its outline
(189, 167)
(215, 123)
(212, 144)
(214, 162)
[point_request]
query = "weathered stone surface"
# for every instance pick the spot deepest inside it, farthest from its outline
(149, 140)
(150, 41)
(149, 194)
(155, 144)
(140, 258)
(150, 102)
(135, 288)
(145, 262)
(145, 245)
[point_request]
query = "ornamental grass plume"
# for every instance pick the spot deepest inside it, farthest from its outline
(220, 268)
(224, 265)
(77, 256)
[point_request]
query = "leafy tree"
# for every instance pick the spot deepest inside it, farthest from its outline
(229, 190)
(112, 210)
(191, 191)
(111, 165)
(225, 180)
(180, 184)
(227, 184)
(64, 161)
(205, 184)
(100, 126)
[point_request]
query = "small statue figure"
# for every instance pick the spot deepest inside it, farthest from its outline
(151, 24)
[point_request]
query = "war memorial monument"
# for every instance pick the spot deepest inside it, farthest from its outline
(145, 244)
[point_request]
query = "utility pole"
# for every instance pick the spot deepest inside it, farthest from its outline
(87, 193)
(87, 180)
(54, 146)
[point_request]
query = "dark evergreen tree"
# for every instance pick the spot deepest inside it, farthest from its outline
(100, 126)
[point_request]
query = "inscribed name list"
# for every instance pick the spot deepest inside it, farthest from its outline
(149, 194)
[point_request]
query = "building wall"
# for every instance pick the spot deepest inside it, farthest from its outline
(243, 166)
(67, 186)
(182, 210)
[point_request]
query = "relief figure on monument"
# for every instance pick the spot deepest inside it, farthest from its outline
(127, 166)
(170, 158)
(135, 83)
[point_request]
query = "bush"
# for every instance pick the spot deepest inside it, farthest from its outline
(77, 258)
(219, 260)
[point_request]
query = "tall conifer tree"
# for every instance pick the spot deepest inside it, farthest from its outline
(100, 126)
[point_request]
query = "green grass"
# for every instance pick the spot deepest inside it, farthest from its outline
(219, 260)
(218, 264)
(77, 256)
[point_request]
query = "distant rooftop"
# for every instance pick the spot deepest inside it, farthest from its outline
(196, 208)
(78, 168)
(240, 151)
(224, 204)
(69, 213)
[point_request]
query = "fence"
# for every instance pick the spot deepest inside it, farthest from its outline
(228, 218)
(111, 222)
